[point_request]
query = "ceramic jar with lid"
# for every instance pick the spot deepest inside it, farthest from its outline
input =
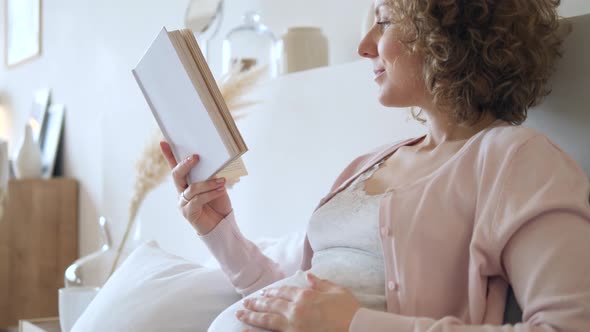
(303, 48)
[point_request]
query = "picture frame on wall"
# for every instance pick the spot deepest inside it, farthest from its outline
(51, 138)
(22, 19)
(41, 100)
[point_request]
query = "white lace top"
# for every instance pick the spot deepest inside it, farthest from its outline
(344, 235)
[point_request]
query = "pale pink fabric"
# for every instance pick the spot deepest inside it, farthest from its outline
(509, 208)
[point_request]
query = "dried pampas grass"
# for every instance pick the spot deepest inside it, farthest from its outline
(235, 84)
(152, 168)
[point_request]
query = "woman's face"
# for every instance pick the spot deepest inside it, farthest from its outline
(398, 72)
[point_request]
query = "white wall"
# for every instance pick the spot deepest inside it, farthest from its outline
(574, 7)
(309, 127)
(89, 48)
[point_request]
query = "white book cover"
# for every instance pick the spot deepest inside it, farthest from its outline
(178, 109)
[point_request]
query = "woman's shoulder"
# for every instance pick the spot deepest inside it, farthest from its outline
(526, 175)
(506, 140)
(508, 136)
(510, 145)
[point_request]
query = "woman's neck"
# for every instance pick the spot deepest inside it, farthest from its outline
(443, 131)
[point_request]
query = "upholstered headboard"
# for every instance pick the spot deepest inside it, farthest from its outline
(564, 116)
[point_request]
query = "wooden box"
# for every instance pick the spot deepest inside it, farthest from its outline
(38, 241)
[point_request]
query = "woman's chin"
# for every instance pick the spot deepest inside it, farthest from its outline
(390, 101)
(390, 98)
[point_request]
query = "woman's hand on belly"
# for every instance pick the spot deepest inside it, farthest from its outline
(320, 307)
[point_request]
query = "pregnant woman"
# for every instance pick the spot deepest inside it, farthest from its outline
(428, 234)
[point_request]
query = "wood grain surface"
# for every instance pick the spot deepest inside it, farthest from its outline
(38, 240)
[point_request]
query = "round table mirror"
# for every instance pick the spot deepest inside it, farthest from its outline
(204, 18)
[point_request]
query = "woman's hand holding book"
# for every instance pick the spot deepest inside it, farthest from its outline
(204, 204)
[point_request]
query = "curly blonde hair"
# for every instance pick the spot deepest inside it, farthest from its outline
(483, 56)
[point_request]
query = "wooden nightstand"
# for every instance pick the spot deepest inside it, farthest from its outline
(38, 241)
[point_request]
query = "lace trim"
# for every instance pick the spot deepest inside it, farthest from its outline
(358, 186)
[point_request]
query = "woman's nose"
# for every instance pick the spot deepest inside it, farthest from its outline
(368, 47)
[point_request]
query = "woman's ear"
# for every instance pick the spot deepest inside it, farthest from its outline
(565, 28)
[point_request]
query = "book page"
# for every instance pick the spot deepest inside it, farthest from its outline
(233, 171)
(213, 89)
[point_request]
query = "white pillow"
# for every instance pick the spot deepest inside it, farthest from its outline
(157, 291)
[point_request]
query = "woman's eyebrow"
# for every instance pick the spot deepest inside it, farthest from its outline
(378, 8)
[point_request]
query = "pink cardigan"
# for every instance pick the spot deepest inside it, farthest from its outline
(509, 208)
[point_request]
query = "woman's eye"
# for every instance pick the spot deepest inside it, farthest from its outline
(383, 24)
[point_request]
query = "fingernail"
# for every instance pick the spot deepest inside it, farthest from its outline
(220, 180)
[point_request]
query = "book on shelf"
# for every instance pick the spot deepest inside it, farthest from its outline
(187, 104)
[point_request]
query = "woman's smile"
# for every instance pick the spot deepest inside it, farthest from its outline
(378, 73)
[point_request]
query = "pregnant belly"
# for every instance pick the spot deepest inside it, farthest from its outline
(358, 272)
(227, 321)
(361, 272)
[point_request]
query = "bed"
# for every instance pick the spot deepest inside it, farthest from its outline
(564, 116)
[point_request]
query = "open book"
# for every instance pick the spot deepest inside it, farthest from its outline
(189, 108)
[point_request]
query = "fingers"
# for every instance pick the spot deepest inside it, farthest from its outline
(168, 155)
(267, 304)
(289, 293)
(181, 170)
(267, 321)
(199, 200)
(203, 187)
(181, 201)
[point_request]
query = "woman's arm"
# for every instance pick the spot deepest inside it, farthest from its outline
(208, 209)
(241, 260)
(538, 240)
(548, 267)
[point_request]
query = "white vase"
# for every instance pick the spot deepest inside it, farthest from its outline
(27, 161)
(94, 269)
(303, 48)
